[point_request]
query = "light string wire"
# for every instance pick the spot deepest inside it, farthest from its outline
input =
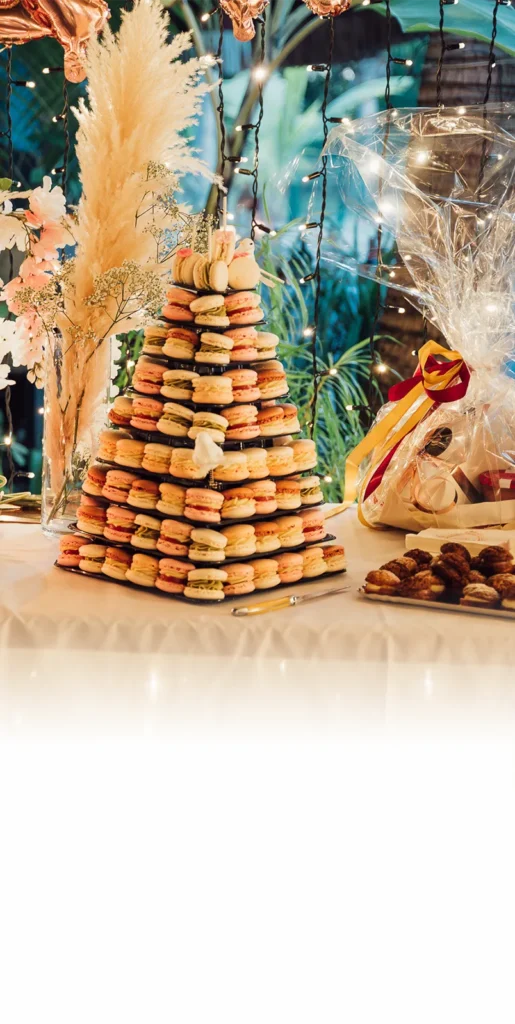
(255, 171)
(486, 97)
(442, 55)
(8, 135)
(221, 110)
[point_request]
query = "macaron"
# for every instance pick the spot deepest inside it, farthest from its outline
(242, 420)
(207, 546)
(291, 534)
(334, 558)
(154, 339)
(243, 308)
(240, 540)
(244, 349)
(179, 384)
(178, 305)
(240, 580)
(182, 264)
(290, 424)
(143, 570)
(211, 390)
(95, 480)
(244, 384)
(280, 461)
(310, 493)
(92, 557)
(288, 493)
(175, 420)
(156, 458)
(143, 493)
(266, 344)
(313, 562)
(120, 413)
(210, 310)
(218, 276)
(272, 381)
(264, 492)
(183, 465)
(304, 454)
(290, 566)
(257, 463)
(129, 453)
(270, 421)
(91, 516)
(172, 498)
(117, 562)
(174, 538)
(267, 537)
(209, 423)
(215, 349)
(203, 505)
(173, 575)
(222, 244)
(181, 343)
(148, 376)
(232, 469)
(313, 524)
(146, 532)
(238, 503)
(266, 573)
(108, 443)
(146, 413)
(69, 551)
(201, 274)
(119, 525)
(244, 271)
(206, 584)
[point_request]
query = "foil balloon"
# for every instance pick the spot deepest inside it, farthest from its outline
(241, 13)
(71, 22)
(328, 8)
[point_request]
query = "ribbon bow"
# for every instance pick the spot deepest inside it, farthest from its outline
(436, 380)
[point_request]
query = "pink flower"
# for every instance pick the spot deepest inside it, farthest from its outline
(53, 237)
(47, 203)
(10, 290)
(33, 272)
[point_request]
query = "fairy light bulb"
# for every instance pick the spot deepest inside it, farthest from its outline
(328, 479)
(260, 73)
(401, 309)
(8, 440)
(333, 372)
(381, 368)
(349, 408)
(41, 410)
(308, 332)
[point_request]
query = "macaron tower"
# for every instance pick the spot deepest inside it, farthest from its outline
(210, 376)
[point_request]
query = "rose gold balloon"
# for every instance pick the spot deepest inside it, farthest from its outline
(241, 13)
(328, 8)
(71, 22)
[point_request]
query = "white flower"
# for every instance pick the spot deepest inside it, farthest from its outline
(47, 203)
(8, 337)
(12, 232)
(4, 376)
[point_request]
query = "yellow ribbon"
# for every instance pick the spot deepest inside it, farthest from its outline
(381, 437)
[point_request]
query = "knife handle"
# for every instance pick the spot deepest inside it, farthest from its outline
(275, 605)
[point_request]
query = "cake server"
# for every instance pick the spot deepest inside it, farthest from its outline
(290, 601)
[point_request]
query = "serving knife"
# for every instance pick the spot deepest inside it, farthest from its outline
(289, 601)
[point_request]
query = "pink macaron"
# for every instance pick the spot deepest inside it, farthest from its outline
(148, 377)
(243, 308)
(244, 385)
(118, 485)
(119, 525)
(203, 505)
(69, 551)
(95, 481)
(173, 575)
(178, 305)
(145, 414)
(313, 524)
(174, 537)
(244, 349)
(91, 516)
(289, 567)
(243, 424)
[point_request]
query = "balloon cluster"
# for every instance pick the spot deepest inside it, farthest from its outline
(242, 13)
(71, 22)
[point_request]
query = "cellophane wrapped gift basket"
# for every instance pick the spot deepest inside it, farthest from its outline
(439, 186)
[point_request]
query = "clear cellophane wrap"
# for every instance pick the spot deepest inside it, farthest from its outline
(440, 184)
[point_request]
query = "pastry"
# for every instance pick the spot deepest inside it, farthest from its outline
(206, 584)
(428, 580)
(267, 537)
(242, 422)
(402, 567)
(272, 381)
(310, 493)
(257, 463)
(240, 580)
(210, 423)
(156, 458)
(313, 562)
(507, 594)
(270, 421)
(182, 265)
(211, 390)
(91, 516)
(203, 505)
(175, 420)
(201, 274)
(179, 384)
(290, 531)
(143, 494)
(453, 569)
(266, 573)
(148, 376)
(119, 524)
(210, 311)
(243, 308)
(381, 581)
(218, 276)
(129, 453)
(288, 495)
(479, 595)
(244, 384)
(422, 558)
(421, 586)
(174, 538)
(146, 532)
(290, 424)
(240, 540)
(120, 413)
(215, 349)
(178, 305)
(94, 482)
(69, 554)
(108, 443)
(266, 344)
(304, 454)
(244, 349)
(181, 343)
(233, 468)
(154, 339)
(290, 566)
(222, 245)
(313, 524)
(173, 575)
(146, 413)
(492, 560)
(280, 461)
(92, 557)
(334, 557)
(238, 503)
(183, 466)
(117, 562)
(264, 492)
(207, 546)
(503, 583)
(143, 570)
(172, 499)
(458, 550)
(476, 577)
